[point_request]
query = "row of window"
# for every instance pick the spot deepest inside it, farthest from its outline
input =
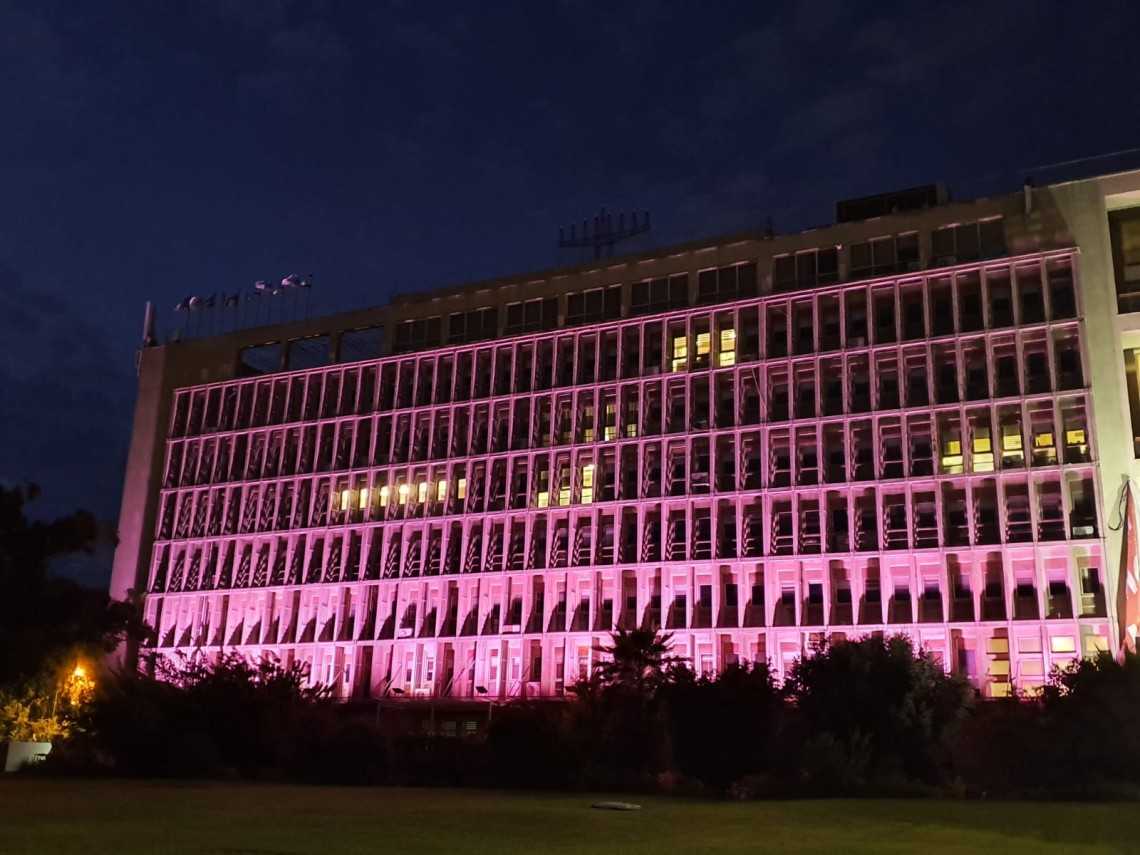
(696, 405)
(775, 330)
(930, 515)
(977, 586)
(976, 440)
(793, 271)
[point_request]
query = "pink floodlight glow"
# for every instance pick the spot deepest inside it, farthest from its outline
(885, 456)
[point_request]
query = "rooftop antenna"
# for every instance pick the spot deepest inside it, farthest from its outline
(148, 338)
(604, 232)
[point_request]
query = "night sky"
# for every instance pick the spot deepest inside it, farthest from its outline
(158, 150)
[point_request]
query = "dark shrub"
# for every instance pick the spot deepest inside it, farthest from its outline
(877, 699)
(529, 746)
(723, 728)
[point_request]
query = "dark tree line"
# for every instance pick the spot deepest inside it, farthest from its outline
(872, 716)
(46, 620)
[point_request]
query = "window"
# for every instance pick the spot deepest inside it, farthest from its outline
(727, 347)
(587, 483)
(361, 344)
(1062, 644)
(533, 315)
(417, 334)
(805, 269)
(1124, 229)
(726, 283)
(967, 241)
(308, 352)
(880, 256)
(261, 359)
(659, 295)
(704, 342)
(597, 304)
(680, 352)
(475, 325)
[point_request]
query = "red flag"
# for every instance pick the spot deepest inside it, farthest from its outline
(1128, 596)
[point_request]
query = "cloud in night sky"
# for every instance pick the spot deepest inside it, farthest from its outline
(152, 151)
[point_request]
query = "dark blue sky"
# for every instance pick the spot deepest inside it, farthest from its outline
(155, 150)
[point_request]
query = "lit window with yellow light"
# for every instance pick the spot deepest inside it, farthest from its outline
(404, 491)
(1063, 644)
(983, 451)
(952, 456)
(704, 343)
(385, 494)
(345, 499)
(680, 352)
(1075, 440)
(423, 491)
(365, 494)
(610, 431)
(564, 487)
(727, 347)
(441, 490)
(461, 489)
(1012, 453)
(587, 483)
(1044, 448)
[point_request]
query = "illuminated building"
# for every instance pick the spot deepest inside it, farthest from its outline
(913, 421)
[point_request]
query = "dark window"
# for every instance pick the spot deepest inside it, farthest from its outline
(885, 255)
(308, 352)
(967, 242)
(659, 295)
(597, 304)
(726, 283)
(261, 359)
(730, 595)
(360, 344)
(532, 316)
(475, 325)
(784, 273)
(805, 269)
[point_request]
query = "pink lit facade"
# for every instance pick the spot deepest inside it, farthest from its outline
(911, 454)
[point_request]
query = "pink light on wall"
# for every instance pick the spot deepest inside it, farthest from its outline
(905, 454)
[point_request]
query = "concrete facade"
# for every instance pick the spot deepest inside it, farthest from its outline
(916, 423)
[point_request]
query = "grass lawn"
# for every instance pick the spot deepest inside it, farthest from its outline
(41, 816)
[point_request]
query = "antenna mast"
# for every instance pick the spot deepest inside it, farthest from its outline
(604, 232)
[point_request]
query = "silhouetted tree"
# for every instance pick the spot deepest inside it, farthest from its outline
(44, 619)
(636, 660)
(874, 709)
(724, 727)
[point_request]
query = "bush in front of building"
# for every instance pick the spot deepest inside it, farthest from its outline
(726, 727)
(872, 716)
(873, 713)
